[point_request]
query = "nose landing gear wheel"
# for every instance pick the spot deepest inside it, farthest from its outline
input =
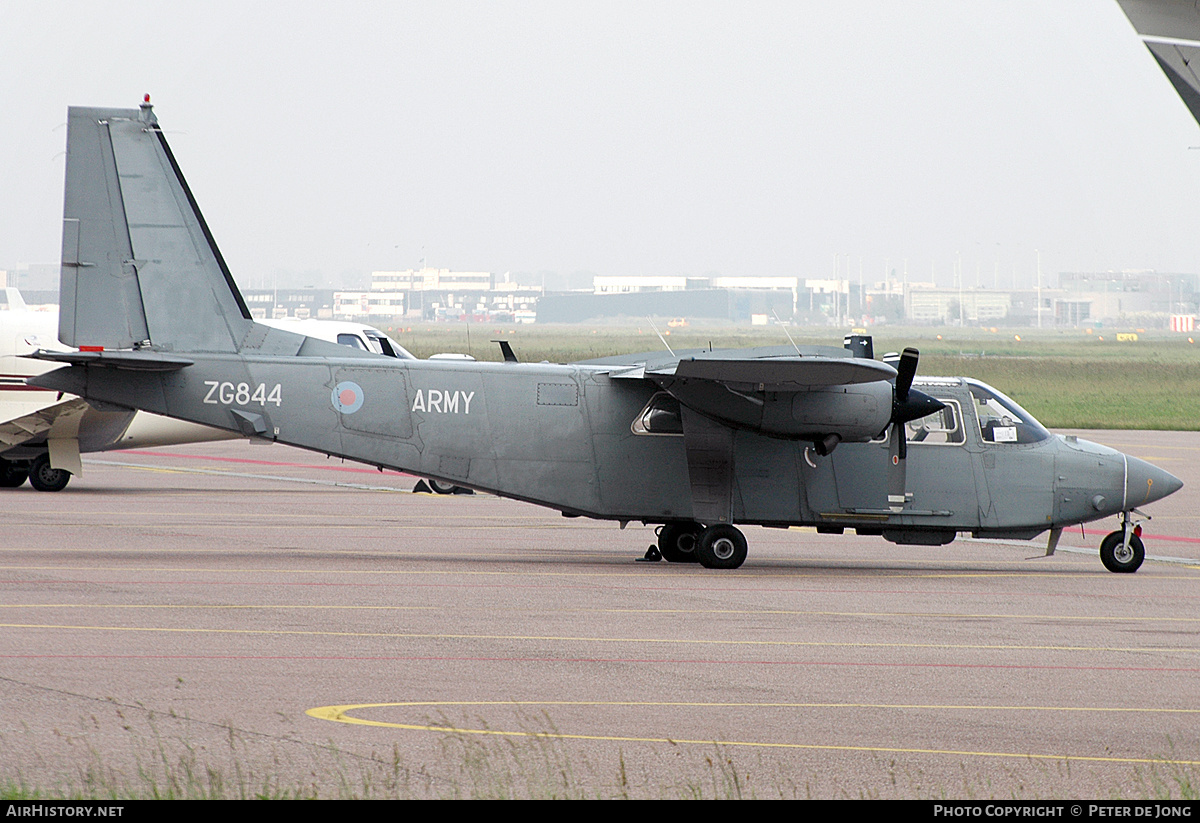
(677, 542)
(1116, 557)
(721, 547)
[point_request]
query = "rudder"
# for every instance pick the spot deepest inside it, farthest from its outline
(139, 265)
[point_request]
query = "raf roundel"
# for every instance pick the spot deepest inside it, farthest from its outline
(347, 397)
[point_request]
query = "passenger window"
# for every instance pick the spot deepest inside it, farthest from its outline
(661, 415)
(943, 427)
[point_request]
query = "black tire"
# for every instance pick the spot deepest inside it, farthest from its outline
(1116, 558)
(677, 542)
(12, 475)
(46, 479)
(442, 488)
(721, 547)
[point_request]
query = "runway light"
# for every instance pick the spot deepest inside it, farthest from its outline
(939, 337)
(1017, 337)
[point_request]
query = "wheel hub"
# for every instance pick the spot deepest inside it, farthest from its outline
(723, 548)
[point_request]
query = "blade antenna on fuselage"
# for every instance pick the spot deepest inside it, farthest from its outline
(785, 331)
(660, 336)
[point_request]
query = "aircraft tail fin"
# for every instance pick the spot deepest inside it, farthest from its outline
(15, 301)
(1171, 31)
(139, 265)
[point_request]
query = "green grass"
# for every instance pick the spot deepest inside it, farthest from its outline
(545, 766)
(1065, 379)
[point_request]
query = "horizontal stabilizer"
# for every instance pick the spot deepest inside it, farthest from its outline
(128, 360)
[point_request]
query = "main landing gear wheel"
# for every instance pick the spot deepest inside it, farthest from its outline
(1116, 557)
(12, 475)
(721, 547)
(46, 479)
(677, 542)
(442, 488)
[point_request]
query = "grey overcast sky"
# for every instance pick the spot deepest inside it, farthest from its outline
(323, 141)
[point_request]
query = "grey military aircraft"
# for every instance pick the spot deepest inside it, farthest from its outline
(1171, 31)
(699, 441)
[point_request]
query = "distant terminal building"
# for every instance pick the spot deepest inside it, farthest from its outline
(1144, 297)
(677, 283)
(736, 299)
(1080, 299)
(444, 294)
(429, 279)
(957, 306)
(369, 306)
(735, 305)
(303, 304)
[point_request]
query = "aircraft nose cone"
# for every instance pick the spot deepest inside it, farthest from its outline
(1146, 483)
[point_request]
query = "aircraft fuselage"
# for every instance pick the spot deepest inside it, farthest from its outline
(564, 436)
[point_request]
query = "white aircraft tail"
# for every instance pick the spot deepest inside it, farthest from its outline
(15, 301)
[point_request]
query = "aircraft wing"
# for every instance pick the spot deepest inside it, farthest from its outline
(772, 368)
(786, 373)
(810, 393)
(60, 418)
(1171, 31)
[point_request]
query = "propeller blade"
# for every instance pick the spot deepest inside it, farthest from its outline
(897, 486)
(907, 404)
(906, 370)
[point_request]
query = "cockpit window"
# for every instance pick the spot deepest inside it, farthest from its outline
(661, 415)
(943, 427)
(1001, 420)
(353, 341)
(382, 344)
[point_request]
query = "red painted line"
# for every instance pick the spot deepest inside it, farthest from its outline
(1148, 536)
(603, 660)
(12, 387)
(148, 453)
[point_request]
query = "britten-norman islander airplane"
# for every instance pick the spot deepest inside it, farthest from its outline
(699, 441)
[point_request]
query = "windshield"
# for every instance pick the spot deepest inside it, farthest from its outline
(1001, 420)
(382, 344)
